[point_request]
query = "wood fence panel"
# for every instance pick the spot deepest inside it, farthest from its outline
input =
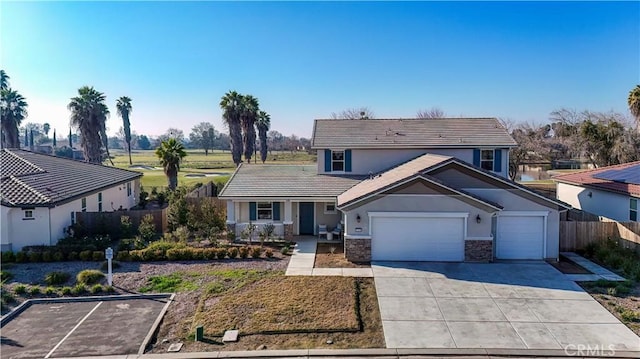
(576, 235)
(94, 222)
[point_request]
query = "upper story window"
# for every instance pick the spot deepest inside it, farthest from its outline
(128, 189)
(28, 214)
(330, 208)
(337, 161)
(100, 202)
(84, 204)
(633, 209)
(486, 159)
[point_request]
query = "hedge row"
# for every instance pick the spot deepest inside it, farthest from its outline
(51, 256)
(190, 253)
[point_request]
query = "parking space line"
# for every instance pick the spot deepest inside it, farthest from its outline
(72, 330)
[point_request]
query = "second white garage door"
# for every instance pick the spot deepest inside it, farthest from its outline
(520, 237)
(417, 239)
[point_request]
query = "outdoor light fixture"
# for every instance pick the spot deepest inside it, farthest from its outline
(478, 219)
(358, 218)
(590, 194)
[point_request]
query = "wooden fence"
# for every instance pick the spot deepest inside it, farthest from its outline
(576, 235)
(109, 222)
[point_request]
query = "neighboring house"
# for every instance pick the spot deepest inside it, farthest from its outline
(612, 192)
(40, 195)
(406, 190)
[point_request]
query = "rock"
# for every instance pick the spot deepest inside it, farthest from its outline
(165, 341)
(261, 347)
(230, 336)
(329, 341)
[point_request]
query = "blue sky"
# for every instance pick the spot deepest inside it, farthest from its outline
(305, 60)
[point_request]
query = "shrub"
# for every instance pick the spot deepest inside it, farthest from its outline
(79, 289)
(66, 291)
(35, 257)
(97, 256)
(629, 315)
(612, 291)
(47, 256)
(222, 253)
(7, 297)
(182, 233)
(5, 276)
(126, 227)
(177, 254)
(123, 256)
(244, 252)
(20, 289)
(97, 288)
(285, 250)
(86, 255)
(198, 254)
(147, 227)
(153, 255)
(56, 278)
(73, 256)
(50, 291)
(21, 257)
(58, 256)
(89, 276)
(210, 253)
(8, 257)
(34, 290)
(256, 252)
(233, 252)
(268, 253)
(135, 256)
(109, 289)
(132, 243)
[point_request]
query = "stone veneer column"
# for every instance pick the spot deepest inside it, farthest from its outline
(357, 249)
(288, 231)
(478, 251)
(231, 230)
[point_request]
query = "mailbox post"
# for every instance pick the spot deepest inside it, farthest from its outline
(109, 255)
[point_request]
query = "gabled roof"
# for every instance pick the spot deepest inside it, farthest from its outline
(35, 179)
(411, 133)
(590, 178)
(269, 181)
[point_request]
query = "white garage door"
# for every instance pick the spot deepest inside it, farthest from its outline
(417, 239)
(520, 237)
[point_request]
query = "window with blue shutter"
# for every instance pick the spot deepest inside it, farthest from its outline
(347, 160)
(476, 157)
(252, 211)
(276, 211)
(327, 160)
(497, 160)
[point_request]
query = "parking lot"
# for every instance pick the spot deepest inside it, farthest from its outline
(100, 326)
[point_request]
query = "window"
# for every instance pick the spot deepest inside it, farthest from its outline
(633, 209)
(337, 160)
(100, 202)
(84, 204)
(486, 159)
(28, 214)
(128, 189)
(265, 210)
(329, 208)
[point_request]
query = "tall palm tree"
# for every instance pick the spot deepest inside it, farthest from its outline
(4, 80)
(231, 104)
(248, 117)
(171, 152)
(124, 109)
(13, 109)
(89, 115)
(263, 124)
(634, 104)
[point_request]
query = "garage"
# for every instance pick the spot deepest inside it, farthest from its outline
(418, 237)
(520, 236)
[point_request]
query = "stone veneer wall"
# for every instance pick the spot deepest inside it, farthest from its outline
(478, 251)
(357, 249)
(288, 232)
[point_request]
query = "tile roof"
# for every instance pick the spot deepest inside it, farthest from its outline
(410, 169)
(255, 181)
(35, 179)
(410, 133)
(587, 179)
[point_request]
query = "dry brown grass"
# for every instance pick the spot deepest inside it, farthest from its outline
(283, 305)
(326, 259)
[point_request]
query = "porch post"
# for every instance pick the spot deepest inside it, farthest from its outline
(231, 219)
(288, 221)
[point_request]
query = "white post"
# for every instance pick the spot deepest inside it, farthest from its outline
(109, 255)
(231, 212)
(287, 212)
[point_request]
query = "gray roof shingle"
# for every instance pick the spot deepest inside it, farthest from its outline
(410, 133)
(255, 181)
(35, 179)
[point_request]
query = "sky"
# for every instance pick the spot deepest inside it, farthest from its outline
(306, 60)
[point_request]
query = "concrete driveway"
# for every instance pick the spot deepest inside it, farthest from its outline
(497, 305)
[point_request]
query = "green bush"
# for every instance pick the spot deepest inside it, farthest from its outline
(5, 276)
(244, 252)
(8, 257)
(210, 253)
(153, 255)
(34, 290)
(126, 227)
(135, 255)
(268, 253)
(50, 291)
(35, 257)
(97, 288)
(7, 297)
(79, 289)
(147, 227)
(21, 257)
(86, 255)
(66, 290)
(198, 254)
(123, 256)
(222, 253)
(109, 289)
(73, 256)
(47, 256)
(285, 250)
(89, 276)
(20, 289)
(58, 256)
(56, 278)
(97, 256)
(256, 252)
(233, 252)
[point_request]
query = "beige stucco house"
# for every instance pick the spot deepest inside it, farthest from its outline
(403, 190)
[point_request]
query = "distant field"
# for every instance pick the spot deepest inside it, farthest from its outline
(196, 163)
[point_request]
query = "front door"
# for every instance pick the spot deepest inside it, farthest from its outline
(306, 217)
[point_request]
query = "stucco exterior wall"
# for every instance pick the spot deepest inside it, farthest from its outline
(330, 219)
(25, 232)
(602, 203)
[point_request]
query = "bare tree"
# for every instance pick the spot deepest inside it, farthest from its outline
(434, 112)
(362, 113)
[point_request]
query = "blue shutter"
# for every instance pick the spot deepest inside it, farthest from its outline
(347, 160)
(252, 211)
(476, 157)
(497, 160)
(276, 211)
(327, 160)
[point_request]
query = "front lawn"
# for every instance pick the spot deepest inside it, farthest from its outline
(330, 255)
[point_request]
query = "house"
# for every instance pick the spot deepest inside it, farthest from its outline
(405, 190)
(612, 192)
(40, 195)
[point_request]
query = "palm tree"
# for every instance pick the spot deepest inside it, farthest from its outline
(89, 115)
(13, 109)
(231, 105)
(46, 127)
(4, 80)
(171, 152)
(124, 109)
(248, 117)
(263, 124)
(634, 104)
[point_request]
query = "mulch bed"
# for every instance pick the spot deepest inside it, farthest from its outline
(326, 259)
(567, 266)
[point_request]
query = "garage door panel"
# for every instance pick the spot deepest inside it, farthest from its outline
(520, 237)
(417, 239)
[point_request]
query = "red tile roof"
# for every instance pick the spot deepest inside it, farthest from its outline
(587, 179)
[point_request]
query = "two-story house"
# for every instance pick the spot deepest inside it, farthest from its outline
(403, 189)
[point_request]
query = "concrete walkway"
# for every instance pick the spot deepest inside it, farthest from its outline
(303, 259)
(598, 271)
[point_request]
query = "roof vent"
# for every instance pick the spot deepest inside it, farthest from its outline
(370, 175)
